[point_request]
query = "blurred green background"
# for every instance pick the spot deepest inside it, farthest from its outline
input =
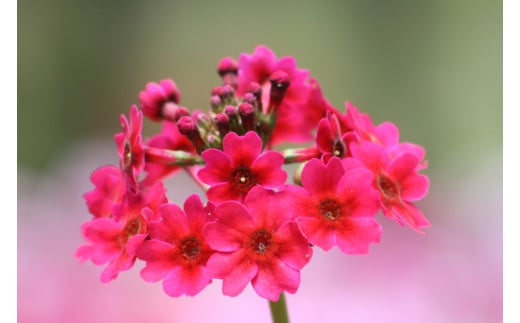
(434, 68)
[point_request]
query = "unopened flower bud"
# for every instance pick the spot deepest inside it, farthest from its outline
(222, 122)
(227, 65)
(216, 104)
(188, 127)
(247, 116)
(217, 90)
(227, 93)
(280, 81)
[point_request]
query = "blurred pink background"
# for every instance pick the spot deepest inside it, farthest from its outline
(452, 273)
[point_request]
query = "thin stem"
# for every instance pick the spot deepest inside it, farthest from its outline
(279, 310)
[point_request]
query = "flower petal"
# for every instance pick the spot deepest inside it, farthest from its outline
(275, 278)
(414, 187)
(356, 237)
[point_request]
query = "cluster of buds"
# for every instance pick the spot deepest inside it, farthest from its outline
(252, 225)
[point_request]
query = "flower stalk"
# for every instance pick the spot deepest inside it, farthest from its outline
(279, 310)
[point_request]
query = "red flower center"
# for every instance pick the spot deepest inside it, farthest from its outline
(190, 248)
(242, 179)
(261, 242)
(330, 209)
(388, 187)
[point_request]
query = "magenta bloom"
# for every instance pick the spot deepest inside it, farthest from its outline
(398, 182)
(336, 206)
(297, 115)
(116, 239)
(170, 138)
(109, 190)
(257, 242)
(156, 96)
(177, 252)
(130, 146)
(239, 167)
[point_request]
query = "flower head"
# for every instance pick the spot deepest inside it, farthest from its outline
(336, 206)
(240, 166)
(177, 252)
(257, 242)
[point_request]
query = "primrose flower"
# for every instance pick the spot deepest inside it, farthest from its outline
(240, 166)
(336, 206)
(177, 252)
(257, 242)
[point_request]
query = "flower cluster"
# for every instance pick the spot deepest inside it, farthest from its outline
(255, 226)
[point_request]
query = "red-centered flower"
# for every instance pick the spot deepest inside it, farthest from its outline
(336, 206)
(177, 252)
(398, 182)
(331, 140)
(109, 190)
(169, 138)
(115, 240)
(231, 173)
(257, 242)
(293, 114)
(157, 96)
(130, 147)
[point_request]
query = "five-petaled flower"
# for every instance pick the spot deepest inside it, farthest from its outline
(177, 252)
(336, 206)
(240, 166)
(257, 242)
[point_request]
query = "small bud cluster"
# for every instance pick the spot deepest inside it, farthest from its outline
(254, 226)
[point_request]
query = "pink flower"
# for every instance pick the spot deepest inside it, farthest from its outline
(239, 167)
(109, 190)
(130, 147)
(170, 138)
(296, 118)
(177, 252)
(155, 97)
(116, 239)
(336, 206)
(398, 182)
(257, 242)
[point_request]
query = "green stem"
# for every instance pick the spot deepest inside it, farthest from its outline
(279, 310)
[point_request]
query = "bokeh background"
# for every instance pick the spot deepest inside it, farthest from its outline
(434, 68)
